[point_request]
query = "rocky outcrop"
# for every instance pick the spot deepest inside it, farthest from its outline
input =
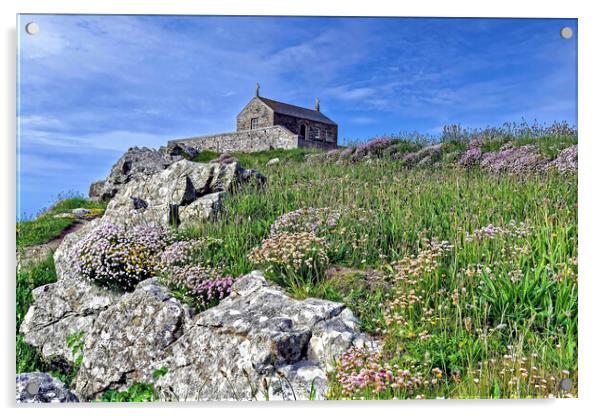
(566, 160)
(129, 338)
(514, 160)
(42, 388)
(62, 256)
(136, 162)
(60, 310)
(259, 341)
(184, 192)
(424, 156)
(256, 342)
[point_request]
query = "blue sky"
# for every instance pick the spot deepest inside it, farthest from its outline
(92, 86)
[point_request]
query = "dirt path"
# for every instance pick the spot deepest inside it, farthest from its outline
(35, 254)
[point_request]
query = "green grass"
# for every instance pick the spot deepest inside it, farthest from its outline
(45, 227)
(259, 159)
(549, 146)
(27, 357)
(137, 392)
(205, 156)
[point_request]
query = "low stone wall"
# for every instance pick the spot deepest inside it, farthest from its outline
(275, 137)
(318, 145)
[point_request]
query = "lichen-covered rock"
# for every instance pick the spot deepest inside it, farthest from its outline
(514, 160)
(257, 341)
(185, 191)
(63, 262)
(566, 160)
(180, 149)
(424, 156)
(42, 388)
(134, 163)
(471, 157)
(129, 338)
(62, 309)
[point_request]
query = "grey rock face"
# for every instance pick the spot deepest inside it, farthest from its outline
(258, 341)
(62, 258)
(134, 163)
(184, 192)
(566, 160)
(42, 388)
(80, 212)
(514, 160)
(180, 149)
(129, 338)
(61, 309)
(424, 156)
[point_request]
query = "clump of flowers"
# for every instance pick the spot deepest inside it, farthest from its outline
(470, 157)
(362, 373)
(491, 231)
(202, 286)
(407, 295)
(373, 148)
(566, 161)
(116, 256)
(523, 375)
(299, 254)
(312, 220)
(514, 160)
(185, 252)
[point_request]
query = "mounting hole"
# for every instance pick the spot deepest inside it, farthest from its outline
(566, 384)
(32, 28)
(32, 388)
(566, 32)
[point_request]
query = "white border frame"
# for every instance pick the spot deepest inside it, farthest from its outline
(590, 33)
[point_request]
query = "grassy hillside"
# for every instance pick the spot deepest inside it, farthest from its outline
(469, 279)
(490, 313)
(45, 227)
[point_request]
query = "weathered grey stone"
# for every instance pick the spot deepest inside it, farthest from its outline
(42, 388)
(254, 340)
(566, 161)
(273, 161)
(62, 256)
(129, 338)
(134, 163)
(247, 141)
(80, 212)
(64, 215)
(96, 189)
(183, 193)
(514, 160)
(61, 309)
(424, 156)
(180, 149)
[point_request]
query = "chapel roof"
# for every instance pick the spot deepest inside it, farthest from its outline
(296, 111)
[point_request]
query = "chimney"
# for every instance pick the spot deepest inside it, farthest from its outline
(257, 90)
(318, 105)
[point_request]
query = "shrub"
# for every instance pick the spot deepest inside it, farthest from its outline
(201, 287)
(363, 374)
(295, 260)
(311, 220)
(182, 253)
(400, 148)
(205, 156)
(115, 256)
